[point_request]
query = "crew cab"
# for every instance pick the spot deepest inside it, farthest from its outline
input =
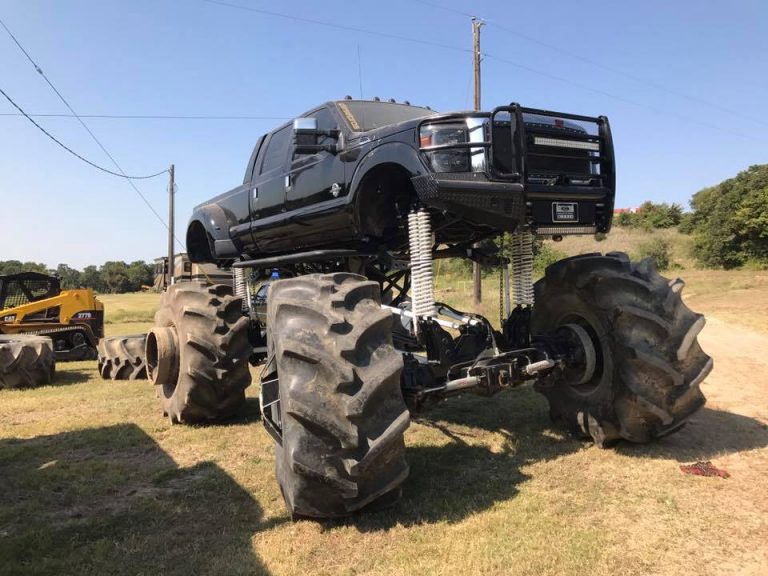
(345, 174)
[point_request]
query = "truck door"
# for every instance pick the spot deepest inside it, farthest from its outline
(313, 175)
(317, 190)
(267, 199)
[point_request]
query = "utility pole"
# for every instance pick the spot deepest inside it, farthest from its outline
(171, 236)
(476, 25)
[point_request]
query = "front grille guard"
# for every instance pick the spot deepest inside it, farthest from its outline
(523, 136)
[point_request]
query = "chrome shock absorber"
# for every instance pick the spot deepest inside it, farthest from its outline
(422, 279)
(240, 287)
(522, 269)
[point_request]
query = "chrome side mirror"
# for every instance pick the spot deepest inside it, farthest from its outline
(303, 125)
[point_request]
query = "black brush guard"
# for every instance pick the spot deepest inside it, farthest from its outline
(555, 176)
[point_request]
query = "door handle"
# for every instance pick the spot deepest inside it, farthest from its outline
(255, 194)
(288, 183)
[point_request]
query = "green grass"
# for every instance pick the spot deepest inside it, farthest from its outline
(95, 481)
(121, 309)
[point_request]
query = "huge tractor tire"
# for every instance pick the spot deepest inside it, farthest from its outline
(340, 406)
(197, 353)
(26, 361)
(122, 357)
(647, 366)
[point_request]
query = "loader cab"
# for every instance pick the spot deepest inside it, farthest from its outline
(25, 287)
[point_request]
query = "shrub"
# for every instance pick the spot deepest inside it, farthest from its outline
(659, 250)
(545, 256)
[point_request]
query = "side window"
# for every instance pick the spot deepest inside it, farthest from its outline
(256, 156)
(277, 149)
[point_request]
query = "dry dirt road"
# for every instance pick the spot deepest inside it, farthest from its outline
(738, 387)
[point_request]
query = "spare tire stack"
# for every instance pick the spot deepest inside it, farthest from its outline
(26, 361)
(122, 357)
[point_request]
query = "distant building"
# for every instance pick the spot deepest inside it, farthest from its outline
(186, 271)
(617, 211)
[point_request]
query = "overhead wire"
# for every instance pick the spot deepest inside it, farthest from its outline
(68, 149)
(337, 26)
(508, 62)
(147, 116)
(122, 173)
(596, 63)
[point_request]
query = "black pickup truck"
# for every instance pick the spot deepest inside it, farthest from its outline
(344, 175)
(345, 209)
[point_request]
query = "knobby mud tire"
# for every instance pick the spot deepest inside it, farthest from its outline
(26, 361)
(650, 364)
(341, 408)
(122, 357)
(213, 351)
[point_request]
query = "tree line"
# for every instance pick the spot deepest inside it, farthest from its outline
(114, 277)
(728, 221)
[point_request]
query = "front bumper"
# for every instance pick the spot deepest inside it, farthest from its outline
(508, 206)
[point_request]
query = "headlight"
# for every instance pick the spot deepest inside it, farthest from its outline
(450, 160)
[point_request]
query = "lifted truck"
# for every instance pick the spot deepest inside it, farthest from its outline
(350, 204)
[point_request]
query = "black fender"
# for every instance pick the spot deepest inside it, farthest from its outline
(374, 214)
(398, 153)
(208, 238)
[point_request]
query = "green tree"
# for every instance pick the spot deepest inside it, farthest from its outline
(140, 274)
(651, 216)
(16, 266)
(730, 220)
(91, 278)
(70, 277)
(114, 275)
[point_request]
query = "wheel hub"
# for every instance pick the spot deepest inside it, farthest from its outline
(583, 363)
(162, 353)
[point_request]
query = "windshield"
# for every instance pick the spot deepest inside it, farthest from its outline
(363, 116)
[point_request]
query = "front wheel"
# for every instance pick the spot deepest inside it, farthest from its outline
(341, 409)
(648, 365)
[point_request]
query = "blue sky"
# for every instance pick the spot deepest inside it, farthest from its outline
(683, 83)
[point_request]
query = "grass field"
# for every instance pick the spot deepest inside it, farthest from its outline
(95, 481)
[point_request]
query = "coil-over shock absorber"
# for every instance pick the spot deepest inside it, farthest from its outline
(517, 326)
(240, 287)
(522, 269)
(422, 279)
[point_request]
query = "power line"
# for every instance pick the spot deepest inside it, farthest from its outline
(68, 149)
(586, 87)
(344, 27)
(85, 126)
(147, 116)
(598, 64)
(486, 55)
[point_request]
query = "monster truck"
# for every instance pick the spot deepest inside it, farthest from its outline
(349, 205)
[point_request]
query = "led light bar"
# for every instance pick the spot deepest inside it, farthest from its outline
(566, 230)
(575, 144)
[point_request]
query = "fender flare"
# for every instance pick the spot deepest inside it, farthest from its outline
(398, 153)
(216, 224)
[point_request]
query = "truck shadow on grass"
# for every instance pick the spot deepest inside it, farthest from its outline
(111, 501)
(474, 470)
(708, 434)
(453, 481)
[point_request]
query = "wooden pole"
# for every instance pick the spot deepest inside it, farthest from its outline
(171, 236)
(476, 24)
